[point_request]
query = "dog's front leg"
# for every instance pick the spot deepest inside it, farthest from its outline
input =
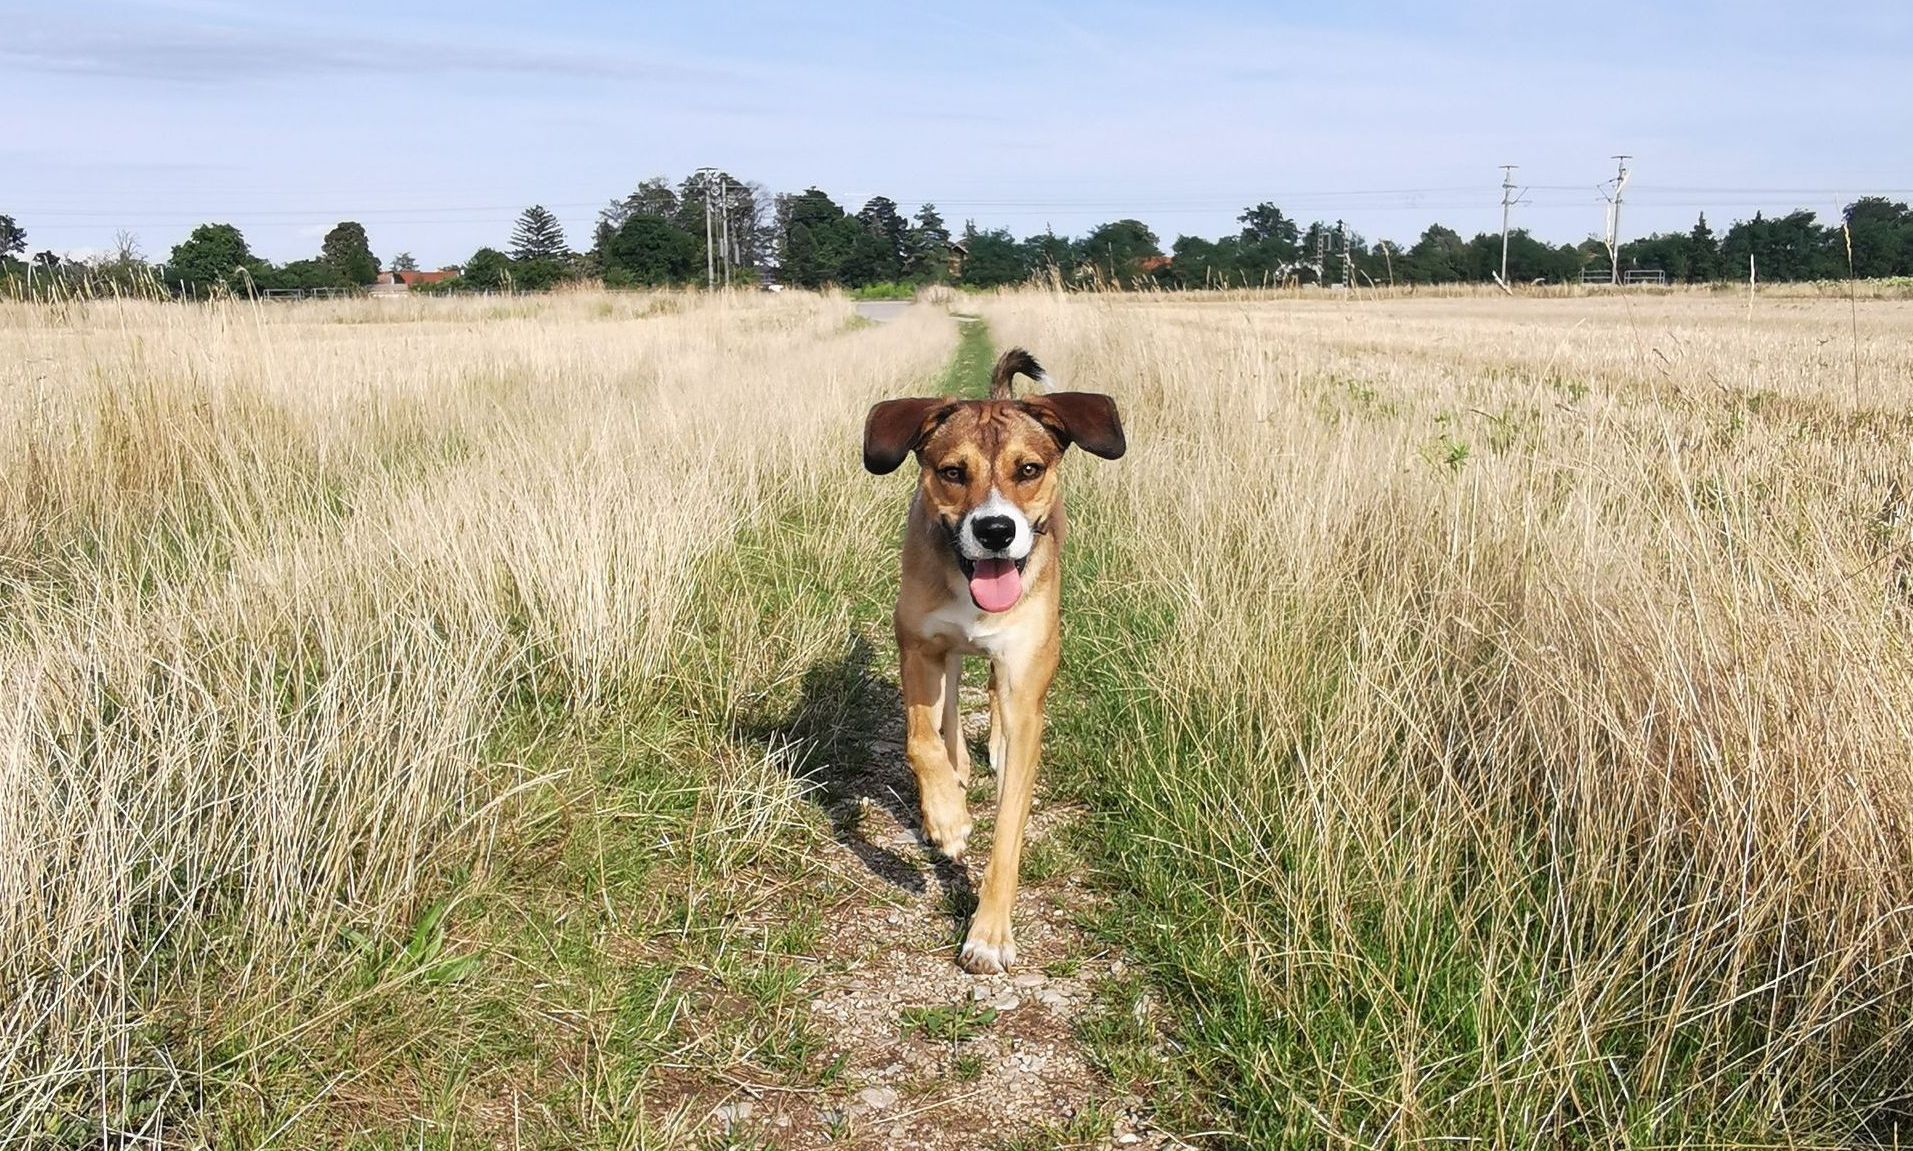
(1022, 683)
(946, 811)
(953, 741)
(999, 750)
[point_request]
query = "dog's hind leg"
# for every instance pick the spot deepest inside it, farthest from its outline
(953, 741)
(945, 806)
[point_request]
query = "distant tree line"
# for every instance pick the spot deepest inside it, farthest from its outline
(657, 236)
(213, 258)
(1272, 249)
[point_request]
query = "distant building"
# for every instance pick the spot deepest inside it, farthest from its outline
(396, 283)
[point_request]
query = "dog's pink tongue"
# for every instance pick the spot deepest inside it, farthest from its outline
(996, 585)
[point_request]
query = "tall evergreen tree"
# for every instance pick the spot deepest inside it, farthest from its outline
(818, 239)
(1703, 253)
(889, 240)
(538, 236)
(929, 246)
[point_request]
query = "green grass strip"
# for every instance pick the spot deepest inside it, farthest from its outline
(969, 373)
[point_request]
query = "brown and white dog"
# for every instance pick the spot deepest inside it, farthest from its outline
(982, 576)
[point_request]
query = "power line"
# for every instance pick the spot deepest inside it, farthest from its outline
(1406, 199)
(65, 222)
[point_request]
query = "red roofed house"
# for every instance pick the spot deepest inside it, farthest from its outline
(393, 283)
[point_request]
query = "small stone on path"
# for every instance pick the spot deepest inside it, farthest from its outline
(878, 1098)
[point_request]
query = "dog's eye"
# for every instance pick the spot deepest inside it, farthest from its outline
(1029, 471)
(953, 474)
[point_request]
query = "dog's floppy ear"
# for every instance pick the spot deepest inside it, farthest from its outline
(894, 428)
(1086, 419)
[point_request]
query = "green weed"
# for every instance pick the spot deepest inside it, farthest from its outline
(954, 1023)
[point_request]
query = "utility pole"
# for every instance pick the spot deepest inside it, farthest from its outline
(1614, 219)
(1508, 198)
(710, 256)
(724, 214)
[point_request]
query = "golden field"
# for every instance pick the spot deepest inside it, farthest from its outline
(1487, 716)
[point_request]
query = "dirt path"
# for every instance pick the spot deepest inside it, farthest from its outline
(882, 311)
(922, 1054)
(929, 1056)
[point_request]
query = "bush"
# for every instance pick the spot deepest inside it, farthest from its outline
(538, 275)
(885, 291)
(303, 274)
(651, 252)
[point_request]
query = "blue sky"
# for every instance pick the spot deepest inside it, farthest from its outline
(434, 123)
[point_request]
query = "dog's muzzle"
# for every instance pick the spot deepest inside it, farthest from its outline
(994, 529)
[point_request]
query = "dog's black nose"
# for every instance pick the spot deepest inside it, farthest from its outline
(994, 532)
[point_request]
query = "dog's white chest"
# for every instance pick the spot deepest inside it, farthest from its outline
(969, 627)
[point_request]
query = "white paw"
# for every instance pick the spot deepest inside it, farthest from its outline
(951, 841)
(946, 821)
(984, 958)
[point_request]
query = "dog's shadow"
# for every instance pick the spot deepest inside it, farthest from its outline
(847, 725)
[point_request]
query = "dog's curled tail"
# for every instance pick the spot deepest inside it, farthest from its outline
(1016, 360)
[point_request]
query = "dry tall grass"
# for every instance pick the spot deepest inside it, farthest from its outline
(1493, 711)
(270, 576)
(1520, 738)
